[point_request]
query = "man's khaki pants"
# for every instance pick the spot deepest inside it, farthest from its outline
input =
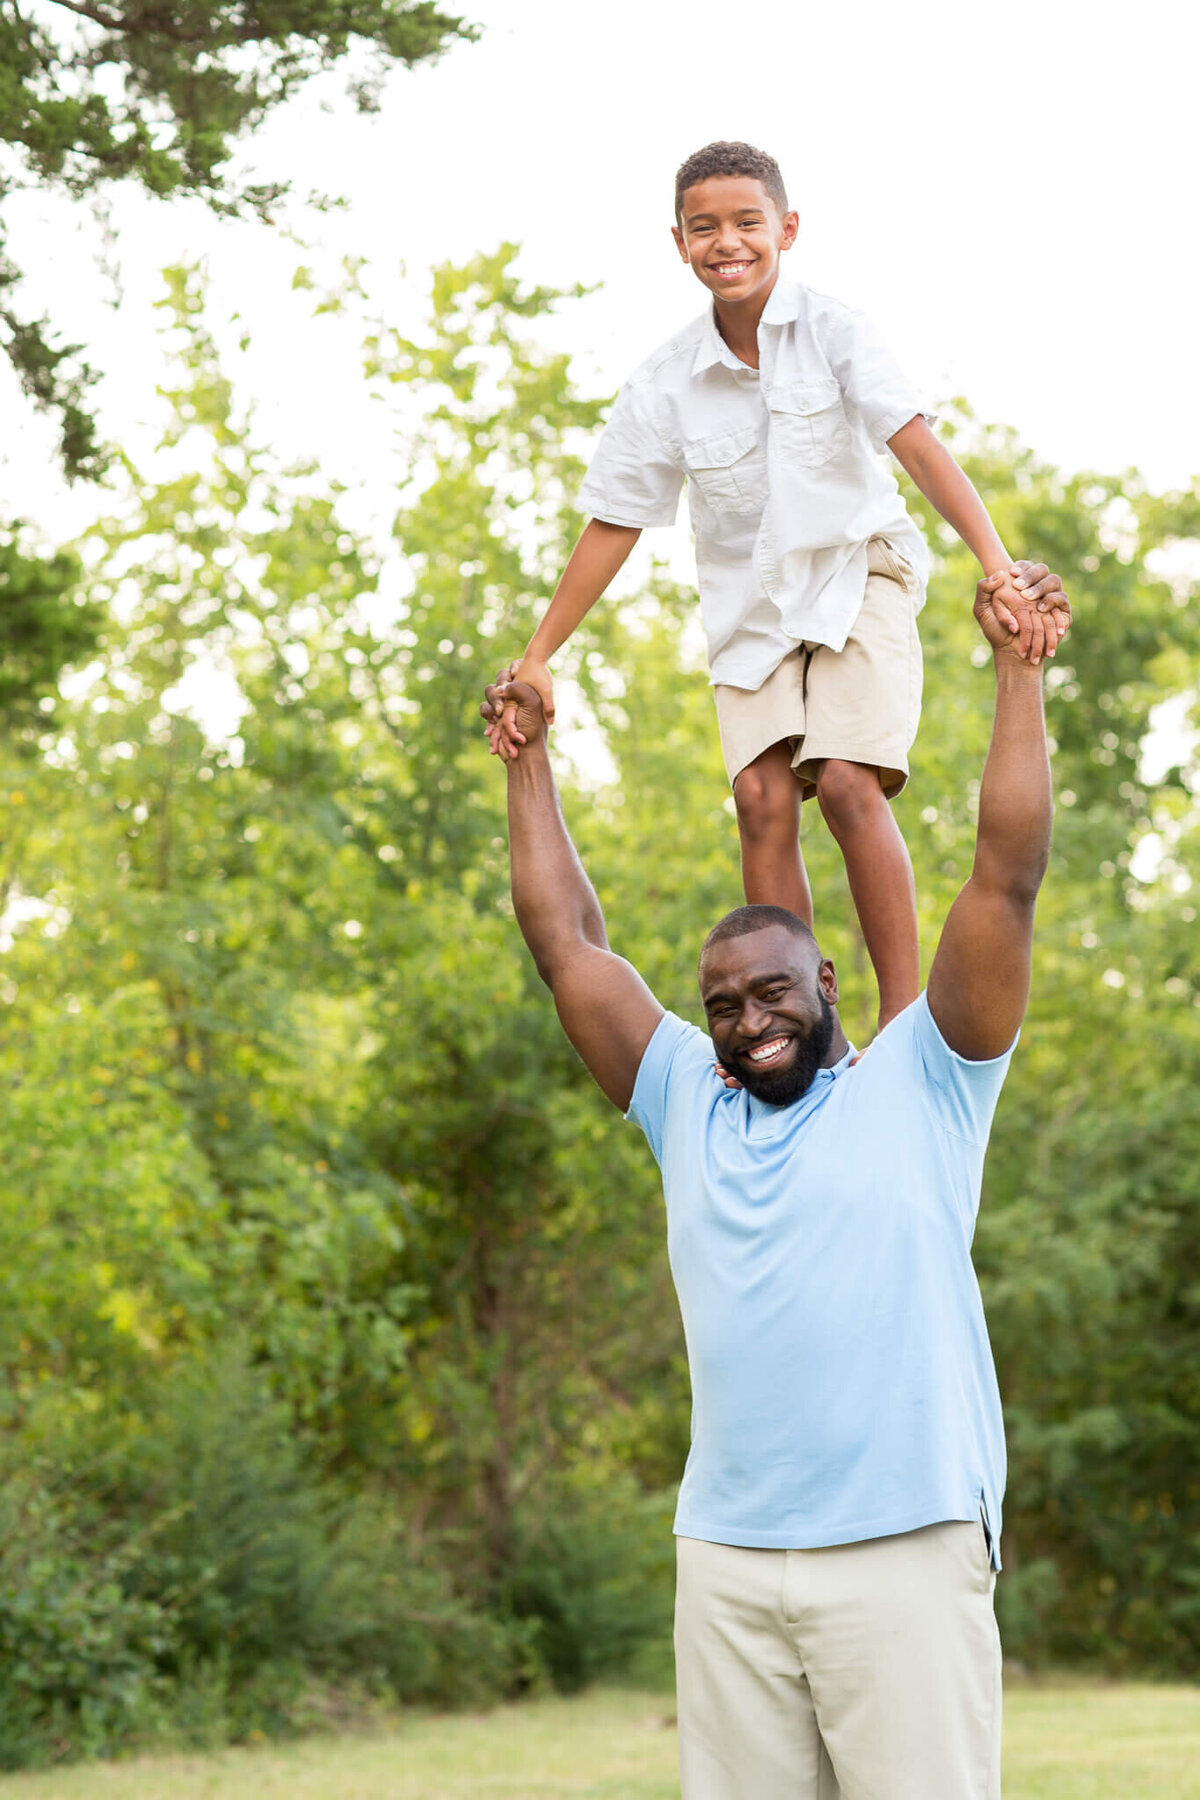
(867, 1671)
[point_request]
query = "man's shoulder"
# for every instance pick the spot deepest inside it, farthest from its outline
(896, 1053)
(676, 1057)
(910, 1055)
(681, 1044)
(912, 1038)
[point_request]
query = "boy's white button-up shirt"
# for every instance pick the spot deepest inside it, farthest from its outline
(786, 482)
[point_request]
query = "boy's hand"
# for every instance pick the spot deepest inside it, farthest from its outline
(502, 733)
(492, 711)
(506, 696)
(1028, 602)
(1045, 608)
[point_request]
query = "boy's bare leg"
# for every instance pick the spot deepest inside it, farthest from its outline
(767, 796)
(880, 875)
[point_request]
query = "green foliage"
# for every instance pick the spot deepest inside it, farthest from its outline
(53, 376)
(45, 624)
(318, 1248)
(264, 1564)
(593, 1574)
(78, 1653)
(195, 1575)
(160, 95)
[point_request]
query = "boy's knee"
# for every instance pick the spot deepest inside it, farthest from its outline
(766, 800)
(848, 792)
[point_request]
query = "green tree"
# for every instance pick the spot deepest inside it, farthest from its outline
(159, 94)
(45, 624)
(286, 1099)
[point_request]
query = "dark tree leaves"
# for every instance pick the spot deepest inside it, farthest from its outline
(44, 626)
(159, 94)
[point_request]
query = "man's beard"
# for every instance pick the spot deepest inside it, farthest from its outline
(779, 1087)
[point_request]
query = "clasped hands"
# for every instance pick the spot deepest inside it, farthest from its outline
(1029, 604)
(1023, 610)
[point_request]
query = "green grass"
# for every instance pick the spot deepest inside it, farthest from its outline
(1062, 1742)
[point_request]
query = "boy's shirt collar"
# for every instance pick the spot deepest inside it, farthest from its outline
(784, 303)
(783, 306)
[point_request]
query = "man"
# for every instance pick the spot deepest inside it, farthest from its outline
(839, 1517)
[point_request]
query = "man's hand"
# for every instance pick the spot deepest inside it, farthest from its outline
(1042, 611)
(521, 704)
(502, 731)
(1027, 601)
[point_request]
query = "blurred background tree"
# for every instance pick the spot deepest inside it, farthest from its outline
(340, 1342)
(46, 624)
(160, 94)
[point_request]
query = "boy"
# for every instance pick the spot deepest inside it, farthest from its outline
(774, 405)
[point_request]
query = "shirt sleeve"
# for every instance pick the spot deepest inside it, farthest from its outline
(870, 378)
(671, 1052)
(633, 479)
(961, 1094)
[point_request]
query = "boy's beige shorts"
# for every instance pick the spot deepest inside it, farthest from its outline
(861, 704)
(867, 1671)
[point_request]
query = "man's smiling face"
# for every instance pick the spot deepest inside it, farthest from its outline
(732, 234)
(769, 997)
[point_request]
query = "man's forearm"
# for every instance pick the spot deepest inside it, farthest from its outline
(1012, 845)
(598, 556)
(555, 903)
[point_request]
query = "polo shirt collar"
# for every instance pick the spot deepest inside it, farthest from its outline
(767, 1119)
(843, 1063)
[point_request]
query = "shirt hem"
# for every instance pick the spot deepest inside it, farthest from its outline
(826, 1538)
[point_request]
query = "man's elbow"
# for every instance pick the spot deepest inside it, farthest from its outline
(546, 966)
(1026, 885)
(551, 956)
(1017, 880)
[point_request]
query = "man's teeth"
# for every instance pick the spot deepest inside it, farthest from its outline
(768, 1051)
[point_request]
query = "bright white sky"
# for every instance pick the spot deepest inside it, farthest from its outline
(1010, 192)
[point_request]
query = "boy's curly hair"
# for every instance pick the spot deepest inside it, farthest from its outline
(724, 158)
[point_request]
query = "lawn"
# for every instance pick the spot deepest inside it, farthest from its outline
(1062, 1742)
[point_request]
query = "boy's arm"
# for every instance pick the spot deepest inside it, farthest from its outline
(633, 481)
(596, 558)
(1027, 611)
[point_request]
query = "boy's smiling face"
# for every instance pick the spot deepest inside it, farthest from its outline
(732, 234)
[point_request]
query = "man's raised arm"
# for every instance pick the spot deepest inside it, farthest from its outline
(979, 982)
(606, 1009)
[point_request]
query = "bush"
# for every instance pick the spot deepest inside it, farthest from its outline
(201, 1579)
(268, 1563)
(594, 1578)
(80, 1656)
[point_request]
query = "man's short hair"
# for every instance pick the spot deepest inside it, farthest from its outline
(723, 158)
(745, 919)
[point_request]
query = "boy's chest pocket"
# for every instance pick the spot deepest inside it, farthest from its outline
(730, 470)
(808, 423)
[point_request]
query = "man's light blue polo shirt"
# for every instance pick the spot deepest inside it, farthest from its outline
(842, 1381)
